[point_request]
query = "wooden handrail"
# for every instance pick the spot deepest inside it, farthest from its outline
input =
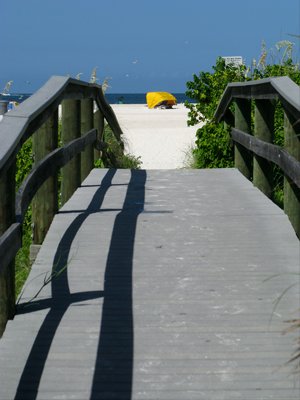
(271, 152)
(282, 88)
(10, 243)
(38, 115)
(46, 168)
(254, 150)
(20, 123)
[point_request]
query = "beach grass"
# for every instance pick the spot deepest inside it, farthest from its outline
(116, 159)
(114, 156)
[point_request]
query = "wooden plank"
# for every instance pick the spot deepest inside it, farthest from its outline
(164, 296)
(70, 130)
(7, 218)
(291, 190)
(242, 157)
(45, 201)
(10, 243)
(99, 125)
(86, 124)
(264, 130)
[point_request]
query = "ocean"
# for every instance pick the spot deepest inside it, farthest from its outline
(138, 98)
(112, 98)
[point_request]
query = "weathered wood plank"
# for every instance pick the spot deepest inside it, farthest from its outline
(45, 201)
(70, 130)
(99, 125)
(86, 124)
(164, 296)
(7, 217)
(10, 243)
(291, 190)
(264, 130)
(242, 157)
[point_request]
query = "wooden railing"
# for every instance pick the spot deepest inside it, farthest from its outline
(81, 132)
(254, 148)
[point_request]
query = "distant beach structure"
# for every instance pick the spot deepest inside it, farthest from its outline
(236, 61)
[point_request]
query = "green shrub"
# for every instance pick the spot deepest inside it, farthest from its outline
(24, 163)
(114, 156)
(213, 145)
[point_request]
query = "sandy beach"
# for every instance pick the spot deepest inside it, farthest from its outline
(160, 137)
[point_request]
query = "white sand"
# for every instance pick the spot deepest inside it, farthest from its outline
(160, 137)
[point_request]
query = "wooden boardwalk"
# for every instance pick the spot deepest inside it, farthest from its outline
(164, 289)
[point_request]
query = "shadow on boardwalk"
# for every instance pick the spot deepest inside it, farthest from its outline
(116, 332)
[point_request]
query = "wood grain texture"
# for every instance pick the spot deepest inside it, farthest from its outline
(165, 296)
(271, 152)
(45, 202)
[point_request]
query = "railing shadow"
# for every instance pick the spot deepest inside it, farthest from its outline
(61, 299)
(114, 361)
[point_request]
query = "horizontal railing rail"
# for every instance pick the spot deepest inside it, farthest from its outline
(25, 119)
(271, 152)
(10, 243)
(46, 168)
(252, 132)
(282, 88)
(82, 139)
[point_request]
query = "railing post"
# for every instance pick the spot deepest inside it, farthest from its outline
(242, 157)
(264, 130)
(291, 191)
(99, 125)
(87, 123)
(3, 106)
(45, 202)
(70, 130)
(7, 217)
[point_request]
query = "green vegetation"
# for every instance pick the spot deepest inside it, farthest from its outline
(24, 164)
(112, 157)
(213, 146)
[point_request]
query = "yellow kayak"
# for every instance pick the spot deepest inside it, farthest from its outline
(157, 99)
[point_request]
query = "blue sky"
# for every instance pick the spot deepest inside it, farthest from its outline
(142, 45)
